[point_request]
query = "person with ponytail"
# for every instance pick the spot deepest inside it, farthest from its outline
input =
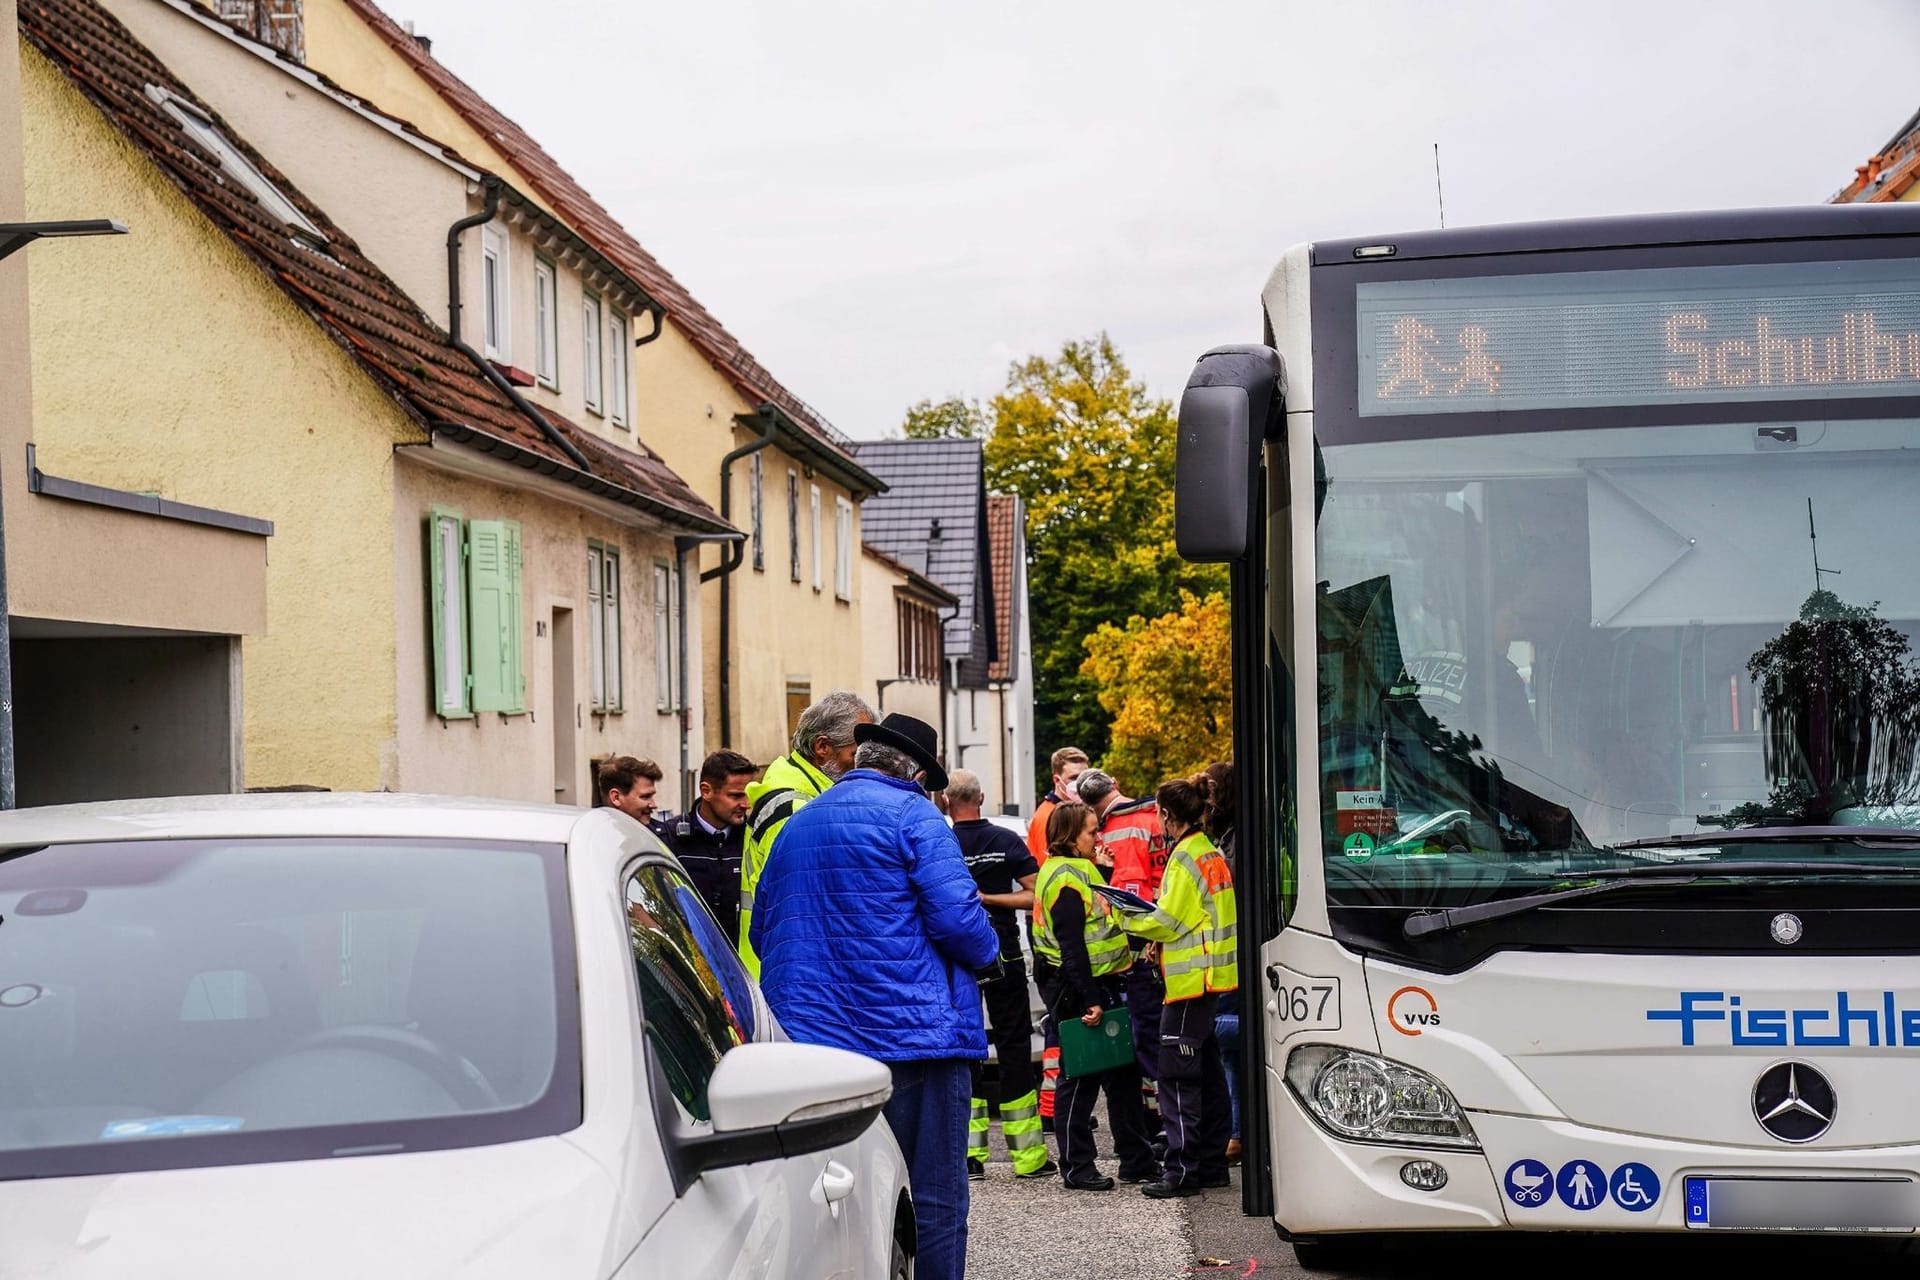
(1079, 933)
(1194, 921)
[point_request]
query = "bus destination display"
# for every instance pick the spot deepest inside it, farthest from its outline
(1681, 335)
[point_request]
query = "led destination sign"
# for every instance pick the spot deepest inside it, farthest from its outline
(1681, 335)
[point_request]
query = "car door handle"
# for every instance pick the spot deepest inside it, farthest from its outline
(836, 1182)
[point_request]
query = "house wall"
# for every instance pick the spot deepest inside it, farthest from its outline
(684, 408)
(167, 361)
(880, 648)
(974, 730)
(513, 757)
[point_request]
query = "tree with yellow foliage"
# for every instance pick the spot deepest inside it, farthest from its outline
(1168, 684)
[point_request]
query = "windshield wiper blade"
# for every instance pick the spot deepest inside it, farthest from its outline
(1758, 835)
(1607, 879)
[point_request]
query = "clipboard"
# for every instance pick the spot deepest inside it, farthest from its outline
(1087, 1051)
(1124, 900)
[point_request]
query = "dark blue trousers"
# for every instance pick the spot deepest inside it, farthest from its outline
(928, 1116)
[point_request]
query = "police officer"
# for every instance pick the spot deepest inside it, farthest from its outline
(1193, 923)
(1003, 871)
(707, 840)
(823, 750)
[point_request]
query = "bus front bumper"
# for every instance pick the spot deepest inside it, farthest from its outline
(1552, 1175)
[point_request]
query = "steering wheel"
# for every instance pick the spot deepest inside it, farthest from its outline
(460, 1079)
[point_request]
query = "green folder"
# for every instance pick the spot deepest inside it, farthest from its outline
(1086, 1051)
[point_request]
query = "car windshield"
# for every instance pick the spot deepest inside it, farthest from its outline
(177, 1003)
(1535, 648)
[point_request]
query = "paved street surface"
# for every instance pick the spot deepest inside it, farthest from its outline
(1022, 1229)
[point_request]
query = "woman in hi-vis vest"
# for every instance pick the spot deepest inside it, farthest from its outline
(1076, 930)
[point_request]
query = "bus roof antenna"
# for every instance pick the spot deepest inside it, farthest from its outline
(1438, 191)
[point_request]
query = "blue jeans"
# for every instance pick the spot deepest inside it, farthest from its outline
(928, 1115)
(1226, 1027)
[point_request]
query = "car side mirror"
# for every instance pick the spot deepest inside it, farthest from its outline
(1233, 402)
(775, 1100)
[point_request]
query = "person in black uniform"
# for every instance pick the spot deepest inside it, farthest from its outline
(709, 841)
(1003, 870)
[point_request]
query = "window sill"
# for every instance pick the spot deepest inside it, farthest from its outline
(549, 384)
(518, 377)
(598, 413)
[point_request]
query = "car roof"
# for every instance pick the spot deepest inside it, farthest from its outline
(291, 814)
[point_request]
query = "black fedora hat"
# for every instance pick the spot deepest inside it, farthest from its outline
(915, 737)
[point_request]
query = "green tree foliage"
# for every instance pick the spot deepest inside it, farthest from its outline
(1091, 455)
(1167, 682)
(949, 419)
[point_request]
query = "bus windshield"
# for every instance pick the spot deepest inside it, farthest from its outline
(1536, 648)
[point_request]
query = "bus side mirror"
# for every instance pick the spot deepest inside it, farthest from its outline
(1233, 401)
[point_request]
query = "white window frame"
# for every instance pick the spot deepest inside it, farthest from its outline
(233, 164)
(842, 549)
(592, 344)
(496, 294)
(604, 650)
(793, 524)
(619, 387)
(546, 324)
(667, 658)
(813, 520)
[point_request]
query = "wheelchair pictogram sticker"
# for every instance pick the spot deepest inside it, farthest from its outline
(1634, 1187)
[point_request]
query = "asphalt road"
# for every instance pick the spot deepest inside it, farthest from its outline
(1019, 1229)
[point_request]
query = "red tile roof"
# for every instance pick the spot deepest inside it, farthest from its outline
(1888, 175)
(1002, 510)
(585, 215)
(351, 300)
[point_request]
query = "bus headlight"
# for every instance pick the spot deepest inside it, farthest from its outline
(1367, 1098)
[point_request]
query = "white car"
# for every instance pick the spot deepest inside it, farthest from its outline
(332, 1035)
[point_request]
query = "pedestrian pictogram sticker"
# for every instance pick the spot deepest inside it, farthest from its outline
(1582, 1184)
(1529, 1183)
(1634, 1187)
(1358, 846)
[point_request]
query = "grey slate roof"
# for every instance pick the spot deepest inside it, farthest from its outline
(941, 481)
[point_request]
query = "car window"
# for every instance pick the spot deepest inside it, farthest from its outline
(695, 999)
(203, 1002)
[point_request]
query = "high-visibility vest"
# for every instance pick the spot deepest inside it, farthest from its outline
(788, 783)
(1195, 922)
(1106, 941)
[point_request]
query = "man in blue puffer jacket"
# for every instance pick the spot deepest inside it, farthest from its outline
(870, 931)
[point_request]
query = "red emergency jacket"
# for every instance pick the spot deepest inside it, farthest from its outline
(1131, 831)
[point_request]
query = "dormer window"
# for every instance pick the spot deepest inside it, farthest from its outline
(235, 167)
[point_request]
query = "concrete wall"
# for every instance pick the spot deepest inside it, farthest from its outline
(166, 361)
(110, 719)
(514, 757)
(684, 409)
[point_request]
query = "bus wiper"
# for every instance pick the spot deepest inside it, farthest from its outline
(1892, 836)
(1607, 879)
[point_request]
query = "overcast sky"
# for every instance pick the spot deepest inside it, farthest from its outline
(892, 200)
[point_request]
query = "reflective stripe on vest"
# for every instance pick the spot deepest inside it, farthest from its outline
(1205, 958)
(1106, 943)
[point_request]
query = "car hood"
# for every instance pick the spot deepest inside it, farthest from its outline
(518, 1209)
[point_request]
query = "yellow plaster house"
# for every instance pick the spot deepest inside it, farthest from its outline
(411, 577)
(780, 614)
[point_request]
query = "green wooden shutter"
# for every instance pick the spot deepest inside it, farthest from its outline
(493, 604)
(449, 691)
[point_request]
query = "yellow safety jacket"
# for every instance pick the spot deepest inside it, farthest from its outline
(1106, 941)
(788, 783)
(1195, 922)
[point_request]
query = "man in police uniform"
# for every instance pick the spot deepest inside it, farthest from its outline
(823, 749)
(707, 840)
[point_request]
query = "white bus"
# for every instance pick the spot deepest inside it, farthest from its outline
(1575, 570)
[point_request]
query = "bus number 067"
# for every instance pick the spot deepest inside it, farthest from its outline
(1302, 1004)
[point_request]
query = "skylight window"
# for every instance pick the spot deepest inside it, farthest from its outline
(235, 165)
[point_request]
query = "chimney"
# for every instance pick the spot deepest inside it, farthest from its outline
(279, 23)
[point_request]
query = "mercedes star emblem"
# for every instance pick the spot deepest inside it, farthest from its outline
(1793, 1102)
(1786, 929)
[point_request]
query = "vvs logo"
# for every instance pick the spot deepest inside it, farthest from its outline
(1411, 1010)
